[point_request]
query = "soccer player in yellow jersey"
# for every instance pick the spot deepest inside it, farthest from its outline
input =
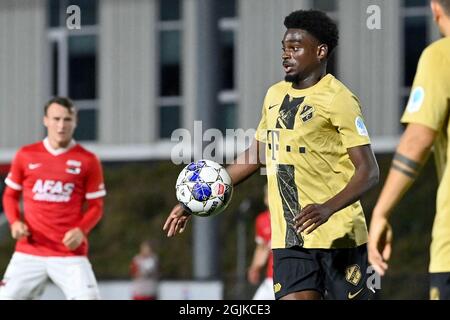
(319, 162)
(427, 116)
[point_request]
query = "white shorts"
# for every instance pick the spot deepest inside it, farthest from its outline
(26, 277)
(265, 290)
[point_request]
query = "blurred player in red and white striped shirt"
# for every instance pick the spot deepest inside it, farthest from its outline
(144, 271)
(56, 177)
(262, 255)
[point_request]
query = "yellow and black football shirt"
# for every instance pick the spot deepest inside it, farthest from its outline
(307, 133)
(429, 105)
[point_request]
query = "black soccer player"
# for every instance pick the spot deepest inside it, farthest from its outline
(319, 162)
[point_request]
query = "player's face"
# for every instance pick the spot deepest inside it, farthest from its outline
(300, 55)
(61, 124)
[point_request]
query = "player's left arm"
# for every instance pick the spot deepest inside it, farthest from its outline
(366, 176)
(75, 237)
(95, 193)
(94, 197)
(92, 215)
(11, 199)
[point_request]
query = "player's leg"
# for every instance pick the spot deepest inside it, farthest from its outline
(265, 290)
(440, 286)
(346, 273)
(25, 278)
(74, 276)
(297, 274)
(303, 295)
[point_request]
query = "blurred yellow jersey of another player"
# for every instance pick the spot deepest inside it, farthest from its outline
(307, 133)
(429, 105)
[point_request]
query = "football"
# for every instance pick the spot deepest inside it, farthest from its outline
(204, 188)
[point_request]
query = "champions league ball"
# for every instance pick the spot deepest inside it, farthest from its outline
(204, 188)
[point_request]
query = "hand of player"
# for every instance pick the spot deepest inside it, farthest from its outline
(380, 244)
(73, 238)
(253, 275)
(311, 217)
(176, 221)
(19, 230)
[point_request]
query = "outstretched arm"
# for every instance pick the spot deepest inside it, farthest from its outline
(246, 163)
(365, 177)
(411, 153)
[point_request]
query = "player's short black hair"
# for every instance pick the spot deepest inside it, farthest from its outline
(317, 23)
(445, 5)
(63, 101)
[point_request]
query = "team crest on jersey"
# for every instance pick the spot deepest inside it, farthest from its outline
(73, 166)
(73, 163)
(307, 113)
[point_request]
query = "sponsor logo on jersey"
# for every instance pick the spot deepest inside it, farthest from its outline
(73, 166)
(353, 274)
(307, 113)
(52, 190)
(415, 100)
(361, 127)
(73, 163)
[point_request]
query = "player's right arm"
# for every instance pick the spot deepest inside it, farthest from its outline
(411, 153)
(11, 198)
(11, 206)
(246, 163)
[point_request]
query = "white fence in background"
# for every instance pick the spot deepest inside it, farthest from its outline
(168, 290)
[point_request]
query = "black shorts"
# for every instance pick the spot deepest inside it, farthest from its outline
(440, 286)
(335, 273)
